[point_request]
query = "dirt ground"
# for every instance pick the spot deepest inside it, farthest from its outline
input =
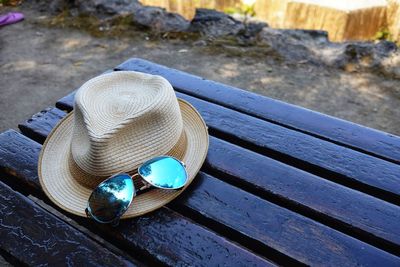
(39, 64)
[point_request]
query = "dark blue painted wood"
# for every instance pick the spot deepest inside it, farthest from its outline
(352, 135)
(267, 224)
(39, 126)
(341, 164)
(323, 158)
(355, 213)
(35, 237)
(67, 102)
(257, 235)
(21, 164)
(164, 236)
(168, 235)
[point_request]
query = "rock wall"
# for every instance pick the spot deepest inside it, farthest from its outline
(210, 27)
(344, 19)
(355, 20)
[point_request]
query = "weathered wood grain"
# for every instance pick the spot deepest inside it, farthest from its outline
(177, 241)
(364, 172)
(368, 218)
(348, 134)
(181, 251)
(268, 225)
(257, 222)
(75, 224)
(35, 237)
(19, 157)
(352, 168)
(39, 126)
(359, 214)
(67, 102)
(393, 16)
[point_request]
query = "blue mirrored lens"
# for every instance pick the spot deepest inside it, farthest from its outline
(164, 172)
(111, 198)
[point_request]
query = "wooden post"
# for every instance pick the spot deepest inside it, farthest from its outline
(393, 16)
(344, 20)
(271, 11)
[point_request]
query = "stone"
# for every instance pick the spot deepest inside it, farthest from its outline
(159, 20)
(252, 29)
(290, 44)
(57, 6)
(363, 54)
(314, 47)
(106, 8)
(213, 23)
(200, 43)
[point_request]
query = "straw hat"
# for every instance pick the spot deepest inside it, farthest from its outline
(120, 120)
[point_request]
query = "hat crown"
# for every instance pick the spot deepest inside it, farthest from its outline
(122, 119)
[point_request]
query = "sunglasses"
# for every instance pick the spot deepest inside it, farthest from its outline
(112, 197)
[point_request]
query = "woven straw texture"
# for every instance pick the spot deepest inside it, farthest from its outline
(120, 120)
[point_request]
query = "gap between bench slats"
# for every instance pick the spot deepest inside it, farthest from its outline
(357, 214)
(264, 224)
(342, 132)
(194, 245)
(342, 165)
(33, 236)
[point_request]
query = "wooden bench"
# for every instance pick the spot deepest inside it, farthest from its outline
(282, 185)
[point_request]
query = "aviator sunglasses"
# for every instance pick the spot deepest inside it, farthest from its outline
(112, 197)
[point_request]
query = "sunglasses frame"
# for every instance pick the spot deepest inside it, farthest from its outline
(137, 192)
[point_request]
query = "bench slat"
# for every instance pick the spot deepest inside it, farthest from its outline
(19, 156)
(176, 240)
(206, 245)
(47, 117)
(323, 158)
(262, 231)
(375, 219)
(371, 141)
(270, 225)
(356, 211)
(33, 236)
(341, 164)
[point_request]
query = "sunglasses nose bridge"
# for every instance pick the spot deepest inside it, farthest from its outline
(168, 173)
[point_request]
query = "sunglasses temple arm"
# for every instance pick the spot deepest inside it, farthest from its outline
(88, 213)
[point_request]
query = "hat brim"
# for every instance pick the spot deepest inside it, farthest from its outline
(60, 185)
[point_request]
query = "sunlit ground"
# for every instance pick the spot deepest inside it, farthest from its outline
(39, 65)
